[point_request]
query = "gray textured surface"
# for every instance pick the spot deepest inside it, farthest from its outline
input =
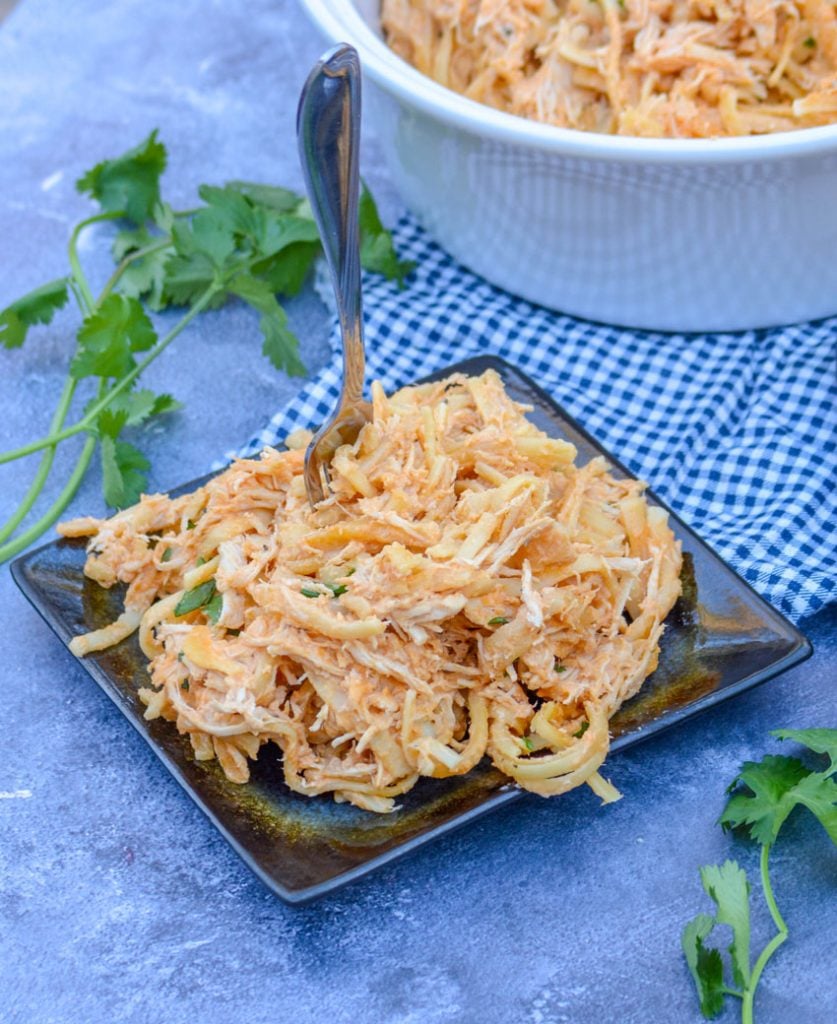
(118, 902)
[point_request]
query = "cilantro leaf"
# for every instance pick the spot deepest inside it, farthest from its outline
(283, 200)
(187, 278)
(818, 793)
(261, 229)
(123, 472)
(130, 182)
(108, 338)
(197, 597)
(201, 250)
(776, 785)
(129, 240)
(231, 210)
(821, 741)
(280, 343)
(705, 965)
(110, 422)
(278, 232)
(142, 405)
(37, 307)
(286, 271)
(207, 233)
(377, 253)
(144, 276)
(727, 885)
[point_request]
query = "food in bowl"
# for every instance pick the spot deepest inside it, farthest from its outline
(466, 590)
(659, 68)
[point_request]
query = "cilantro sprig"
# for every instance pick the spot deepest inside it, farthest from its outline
(763, 795)
(246, 242)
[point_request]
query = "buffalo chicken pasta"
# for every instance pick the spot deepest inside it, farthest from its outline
(667, 68)
(466, 590)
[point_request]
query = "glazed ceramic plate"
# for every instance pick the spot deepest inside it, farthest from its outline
(721, 638)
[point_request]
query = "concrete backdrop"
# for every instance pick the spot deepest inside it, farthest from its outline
(118, 900)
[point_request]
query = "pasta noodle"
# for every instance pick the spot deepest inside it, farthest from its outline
(668, 68)
(467, 590)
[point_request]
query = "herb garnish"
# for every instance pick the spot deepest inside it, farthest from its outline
(165, 557)
(308, 592)
(498, 620)
(213, 608)
(337, 588)
(198, 598)
(810, 42)
(184, 685)
(764, 794)
(245, 241)
(582, 729)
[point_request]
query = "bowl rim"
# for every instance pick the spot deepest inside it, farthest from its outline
(340, 21)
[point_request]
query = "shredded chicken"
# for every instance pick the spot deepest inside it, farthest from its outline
(466, 590)
(667, 68)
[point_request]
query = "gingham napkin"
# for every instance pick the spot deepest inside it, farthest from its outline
(737, 432)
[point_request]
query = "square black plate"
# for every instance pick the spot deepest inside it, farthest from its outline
(722, 638)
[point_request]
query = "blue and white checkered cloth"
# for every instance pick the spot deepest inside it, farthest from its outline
(737, 432)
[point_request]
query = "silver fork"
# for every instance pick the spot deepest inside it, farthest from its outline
(328, 134)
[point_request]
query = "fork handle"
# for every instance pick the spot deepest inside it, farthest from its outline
(328, 134)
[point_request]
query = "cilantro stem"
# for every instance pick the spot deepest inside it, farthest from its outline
(48, 458)
(122, 385)
(72, 251)
(772, 946)
(44, 468)
(22, 541)
(778, 920)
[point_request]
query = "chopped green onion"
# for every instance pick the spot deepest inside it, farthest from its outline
(190, 524)
(337, 588)
(308, 592)
(810, 42)
(585, 725)
(166, 556)
(498, 620)
(184, 685)
(558, 667)
(527, 742)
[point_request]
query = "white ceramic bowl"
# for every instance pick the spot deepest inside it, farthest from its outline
(687, 235)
